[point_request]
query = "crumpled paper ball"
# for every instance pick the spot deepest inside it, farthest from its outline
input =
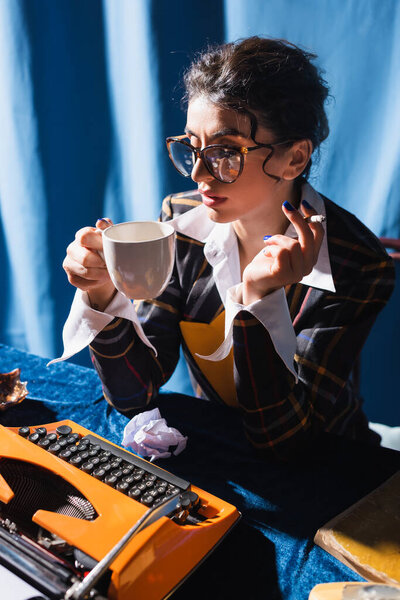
(148, 435)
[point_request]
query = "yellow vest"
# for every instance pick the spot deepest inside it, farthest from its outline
(205, 338)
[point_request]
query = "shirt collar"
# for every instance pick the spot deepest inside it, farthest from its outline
(220, 238)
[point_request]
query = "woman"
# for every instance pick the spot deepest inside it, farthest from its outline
(297, 297)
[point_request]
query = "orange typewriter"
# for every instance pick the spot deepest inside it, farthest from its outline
(82, 518)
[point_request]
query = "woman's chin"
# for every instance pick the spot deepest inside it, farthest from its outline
(218, 216)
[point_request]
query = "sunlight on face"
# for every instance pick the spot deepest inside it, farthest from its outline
(253, 193)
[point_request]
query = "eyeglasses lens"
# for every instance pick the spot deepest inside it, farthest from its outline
(182, 157)
(223, 163)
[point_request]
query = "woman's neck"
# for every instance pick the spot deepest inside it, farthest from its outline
(251, 230)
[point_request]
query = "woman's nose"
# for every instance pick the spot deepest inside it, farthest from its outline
(200, 172)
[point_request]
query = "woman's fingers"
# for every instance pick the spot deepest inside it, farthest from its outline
(284, 260)
(287, 254)
(103, 223)
(85, 256)
(83, 263)
(316, 227)
(86, 271)
(310, 235)
(84, 277)
(89, 237)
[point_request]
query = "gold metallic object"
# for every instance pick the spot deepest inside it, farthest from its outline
(12, 389)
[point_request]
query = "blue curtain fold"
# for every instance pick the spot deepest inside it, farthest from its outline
(358, 46)
(89, 89)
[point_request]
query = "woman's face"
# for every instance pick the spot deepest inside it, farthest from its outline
(253, 194)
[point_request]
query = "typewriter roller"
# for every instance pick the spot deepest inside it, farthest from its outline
(82, 518)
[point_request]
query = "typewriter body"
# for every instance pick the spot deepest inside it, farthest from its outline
(82, 518)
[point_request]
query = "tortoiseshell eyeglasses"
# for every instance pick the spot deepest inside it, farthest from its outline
(225, 163)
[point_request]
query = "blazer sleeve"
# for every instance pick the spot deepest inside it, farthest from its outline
(278, 413)
(130, 372)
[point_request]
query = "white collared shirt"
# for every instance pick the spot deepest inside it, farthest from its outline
(222, 252)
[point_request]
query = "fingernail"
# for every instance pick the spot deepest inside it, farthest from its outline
(266, 237)
(288, 206)
(306, 205)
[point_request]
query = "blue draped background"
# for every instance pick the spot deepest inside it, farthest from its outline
(89, 89)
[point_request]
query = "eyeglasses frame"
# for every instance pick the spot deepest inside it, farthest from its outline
(243, 150)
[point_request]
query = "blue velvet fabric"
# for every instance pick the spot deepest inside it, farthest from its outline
(270, 554)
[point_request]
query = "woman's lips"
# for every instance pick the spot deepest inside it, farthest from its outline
(212, 199)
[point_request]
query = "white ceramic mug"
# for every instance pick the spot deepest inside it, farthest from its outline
(140, 257)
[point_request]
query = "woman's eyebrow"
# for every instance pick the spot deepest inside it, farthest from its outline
(220, 133)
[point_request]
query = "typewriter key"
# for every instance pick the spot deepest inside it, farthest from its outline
(94, 460)
(52, 437)
(127, 470)
(115, 462)
(134, 492)
(34, 437)
(128, 479)
(41, 431)
(99, 473)
(106, 453)
(73, 449)
(83, 444)
(138, 475)
(84, 455)
(65, 454)
(62, 442)
(110, 480)
(72, 438)
(63, 430)
(76, 460)
(117, 473)
(87, 467)
(24, 431)
(160, 499)
(122, 486)
(54, 448)
(184, 502)
(192, 497)
(147, 499)
(44, 443)
(106, 466)
(141, 487)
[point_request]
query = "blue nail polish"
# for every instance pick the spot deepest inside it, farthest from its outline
(266, 237)
(288, 206)
(306, 205)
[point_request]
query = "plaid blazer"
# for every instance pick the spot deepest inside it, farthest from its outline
(278, 414)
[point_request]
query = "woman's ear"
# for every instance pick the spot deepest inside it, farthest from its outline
(298, 157)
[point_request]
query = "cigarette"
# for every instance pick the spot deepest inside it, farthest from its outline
(315, 219)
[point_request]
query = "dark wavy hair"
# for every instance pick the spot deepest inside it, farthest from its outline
(273, 81)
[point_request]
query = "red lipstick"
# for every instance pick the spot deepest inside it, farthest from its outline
(210, 199)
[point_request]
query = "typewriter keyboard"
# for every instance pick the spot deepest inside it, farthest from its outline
(118, 468)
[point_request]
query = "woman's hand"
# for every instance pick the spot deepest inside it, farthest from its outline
(284, 260)
(85, 267)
